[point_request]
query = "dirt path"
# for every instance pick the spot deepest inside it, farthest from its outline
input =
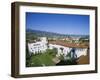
(56, 60)
(83, 60)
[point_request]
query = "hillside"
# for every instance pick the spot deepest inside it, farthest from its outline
(30, 32)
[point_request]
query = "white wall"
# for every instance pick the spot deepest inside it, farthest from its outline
(5, 44)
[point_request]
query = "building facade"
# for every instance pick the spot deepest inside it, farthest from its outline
(42, 45)
(38, 47)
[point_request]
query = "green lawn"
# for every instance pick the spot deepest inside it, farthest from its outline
(42, 59)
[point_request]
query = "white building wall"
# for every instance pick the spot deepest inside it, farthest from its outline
(78, 51)
(81, 52)
(65, 51)
(41, 46)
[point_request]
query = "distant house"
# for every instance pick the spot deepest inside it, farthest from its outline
(62, 48)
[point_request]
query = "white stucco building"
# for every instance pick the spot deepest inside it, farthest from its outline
(39, 46)
(42, 45)
(62, 50)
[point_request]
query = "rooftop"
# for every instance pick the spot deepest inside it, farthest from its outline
(73, 45)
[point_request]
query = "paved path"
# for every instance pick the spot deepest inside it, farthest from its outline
(56, 60)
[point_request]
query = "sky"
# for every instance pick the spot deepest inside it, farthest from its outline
(58, 23)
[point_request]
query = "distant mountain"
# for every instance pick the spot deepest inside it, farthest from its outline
(52, 34)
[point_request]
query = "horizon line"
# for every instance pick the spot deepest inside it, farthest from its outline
(58, 33)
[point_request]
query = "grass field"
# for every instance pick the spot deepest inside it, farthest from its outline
(42, 60)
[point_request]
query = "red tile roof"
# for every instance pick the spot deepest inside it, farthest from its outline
(75, 45)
